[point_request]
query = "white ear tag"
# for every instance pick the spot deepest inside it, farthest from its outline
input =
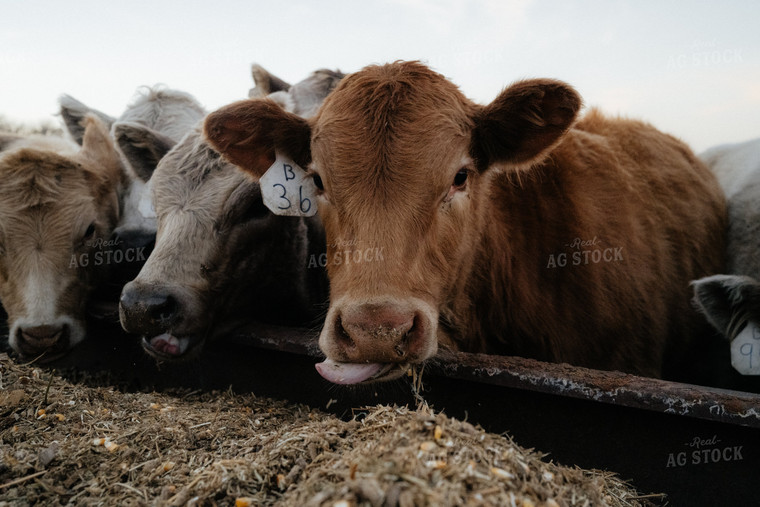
(745, 350)
(286, 190)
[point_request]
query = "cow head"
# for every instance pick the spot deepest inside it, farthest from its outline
(403, 161)
(217, 250)
(58, 205)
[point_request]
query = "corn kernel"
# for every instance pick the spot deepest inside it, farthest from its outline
(428, 446)
(501, 473)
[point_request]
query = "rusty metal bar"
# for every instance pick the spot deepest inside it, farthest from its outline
(558, 379)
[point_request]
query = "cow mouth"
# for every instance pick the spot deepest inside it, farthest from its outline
(168, 346)
(359, 373)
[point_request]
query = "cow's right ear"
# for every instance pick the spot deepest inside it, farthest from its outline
(249, 132)
(141, 146)
(524, 122)
(724, 300)
(73, 113)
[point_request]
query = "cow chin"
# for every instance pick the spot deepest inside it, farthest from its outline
(45, 342)
(170, 347)
(377, 339)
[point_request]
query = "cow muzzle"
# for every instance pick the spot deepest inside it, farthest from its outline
(158, 316)
(49, 341)
(376, 341)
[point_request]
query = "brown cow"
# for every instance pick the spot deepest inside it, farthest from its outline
(58, 205)
(508, 228)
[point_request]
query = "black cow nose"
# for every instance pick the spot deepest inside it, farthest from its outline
(146, 310)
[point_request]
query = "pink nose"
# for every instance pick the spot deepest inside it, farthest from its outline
(388, 333)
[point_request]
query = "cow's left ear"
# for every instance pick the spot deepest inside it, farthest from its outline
(265, 83)
(524, 122)
(99, 153)
(249, 132)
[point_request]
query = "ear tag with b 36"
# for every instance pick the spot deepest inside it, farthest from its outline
(287, 190)
(745, 350)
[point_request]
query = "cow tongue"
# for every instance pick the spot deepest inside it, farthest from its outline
(168, 344)
(348, 373)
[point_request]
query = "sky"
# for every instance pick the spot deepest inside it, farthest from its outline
(691, 68)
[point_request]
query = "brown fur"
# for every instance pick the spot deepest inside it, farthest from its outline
(469, 264)
(51, 192)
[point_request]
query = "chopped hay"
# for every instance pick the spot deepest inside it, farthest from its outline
(65, 443)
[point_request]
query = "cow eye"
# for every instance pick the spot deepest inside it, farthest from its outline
(318, 182)
(461, 178)
(89, 232)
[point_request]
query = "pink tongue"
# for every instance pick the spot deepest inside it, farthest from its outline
(167, 344)
(347, 373)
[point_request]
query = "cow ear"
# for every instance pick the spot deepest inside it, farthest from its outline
(524, 122)
(99, 151)
(249, 132)
(141, 146)
(307, 96)
(724, 300)
(73, 113)
(265, 83)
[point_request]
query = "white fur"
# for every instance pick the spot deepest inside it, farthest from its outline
(170, 112)
(735, 165)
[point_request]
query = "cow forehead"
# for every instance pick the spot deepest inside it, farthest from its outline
(203, 192)
(31, 180)
(394, 123)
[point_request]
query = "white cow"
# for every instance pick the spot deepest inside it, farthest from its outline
(732, 300)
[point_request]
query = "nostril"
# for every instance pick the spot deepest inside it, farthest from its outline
(414, 340)
(343, 337)
(162, 309)
(408, 339)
